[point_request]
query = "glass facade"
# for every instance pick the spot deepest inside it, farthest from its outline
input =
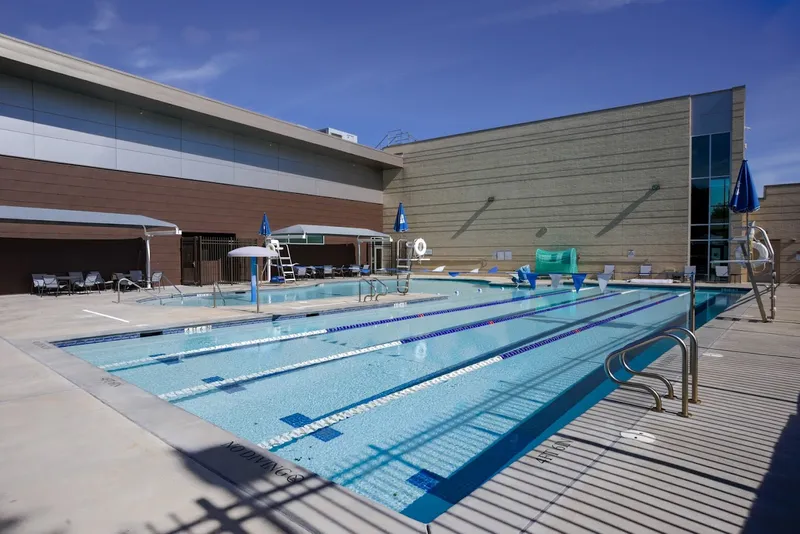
(710, 217)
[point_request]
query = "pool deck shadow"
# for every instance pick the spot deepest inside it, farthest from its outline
(85, 452)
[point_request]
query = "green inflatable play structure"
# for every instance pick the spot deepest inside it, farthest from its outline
(562, 262)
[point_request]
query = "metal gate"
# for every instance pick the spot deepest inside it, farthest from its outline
(204, 260)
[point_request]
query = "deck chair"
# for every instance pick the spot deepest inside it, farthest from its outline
(137, 276)
(75, 277)
(37, 284)
(645, 271)
(474, 271)
(155, 280)
(365, 269)
(327, 271)
(87, 283)
(689, 271)
(439, 269)
(609, 269)
(100, 282)
(354, 270)
(721, 272)
(50, 284)
(300, 272)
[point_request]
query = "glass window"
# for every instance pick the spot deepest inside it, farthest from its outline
(699, 231)
(720, 191)
(718, 251)
(700, 201)
(720, 154)
(720, 215)
(698, 256)
(700, 156)
(719, 231)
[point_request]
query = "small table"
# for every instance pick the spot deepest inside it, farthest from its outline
(67, 280)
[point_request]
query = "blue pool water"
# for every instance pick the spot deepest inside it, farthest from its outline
(321, 290)
(416, 406)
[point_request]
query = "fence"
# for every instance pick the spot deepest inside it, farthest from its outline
(204, 260)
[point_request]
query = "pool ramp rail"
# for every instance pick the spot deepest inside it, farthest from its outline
(376, 288)
(689, 366)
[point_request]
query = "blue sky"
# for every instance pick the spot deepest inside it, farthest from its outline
(437, 68)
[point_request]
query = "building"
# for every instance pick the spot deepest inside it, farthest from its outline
(645, 183)
(79, 136)
(780, 216)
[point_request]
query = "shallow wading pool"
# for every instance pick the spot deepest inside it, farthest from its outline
(413, 407)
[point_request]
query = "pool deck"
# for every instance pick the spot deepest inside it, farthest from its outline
(82, 451)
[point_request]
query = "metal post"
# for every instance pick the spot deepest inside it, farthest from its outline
(692, 293)
(746, 248)
(258, 300)
(147, 256)
(772, 305)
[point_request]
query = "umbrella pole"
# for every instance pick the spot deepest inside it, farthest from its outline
(746, 249)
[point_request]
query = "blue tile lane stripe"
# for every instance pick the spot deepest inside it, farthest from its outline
(424, 479)
(297, 420)
(259, 375)
(216, 349)
(359, 409)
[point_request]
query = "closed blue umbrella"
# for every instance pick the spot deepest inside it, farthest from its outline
(745, 197)
(265, 229)
(400, 224)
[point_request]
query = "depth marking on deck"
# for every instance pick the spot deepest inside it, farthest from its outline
(330, 420)
(107, 316)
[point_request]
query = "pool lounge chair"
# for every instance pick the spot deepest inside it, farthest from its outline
(354, 270)
(327, 271)
(721, 273)
(37, 284)
(609, 269)
(87, 283)
(155, 280)
(690, 271)
(645, 271)
(137, 277)
(101, 283)
(365, 269)
(74, 278)
(50, 284)
(300, 272)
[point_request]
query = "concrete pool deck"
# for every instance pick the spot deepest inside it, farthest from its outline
(82, 451)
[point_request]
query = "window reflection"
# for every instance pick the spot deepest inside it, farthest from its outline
(720, 154)
(700, 201)
(700, 156)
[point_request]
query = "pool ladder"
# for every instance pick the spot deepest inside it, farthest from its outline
(689, 365)
(403, 285)
(374, 289)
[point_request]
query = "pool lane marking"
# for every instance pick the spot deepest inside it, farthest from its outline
(302, 431)
(200, 388)
(286, 337)
(107, 316)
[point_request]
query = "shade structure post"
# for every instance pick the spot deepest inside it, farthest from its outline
(147, 259)
(253, 279)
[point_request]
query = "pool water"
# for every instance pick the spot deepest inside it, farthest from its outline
(413, 407)
(299, 294)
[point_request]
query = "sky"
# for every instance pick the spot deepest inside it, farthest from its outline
(449, 66)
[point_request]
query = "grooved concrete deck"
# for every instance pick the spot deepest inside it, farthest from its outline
(83, 452)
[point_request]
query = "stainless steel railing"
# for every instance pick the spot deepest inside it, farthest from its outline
(374, 292)
(119, 286)
(620, 355)
(214, 288)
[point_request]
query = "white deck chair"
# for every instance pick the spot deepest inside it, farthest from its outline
(721, 271)
(474, 271)
(439, 269)
(645, 271)
(690, 270)
(609, 269)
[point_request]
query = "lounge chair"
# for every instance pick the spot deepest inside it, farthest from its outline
(86, 284)
(37, 284)
(50, 284)
(101, 283)
(327, 271)
(645, 271)
(365, 269)
(75, 277)
(609, 269)
(300, 272)
(690, 271)
(721, 272)
(354, 270)
(137, 277)
(155, 280)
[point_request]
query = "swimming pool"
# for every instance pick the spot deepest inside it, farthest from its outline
(299, 294)
(412, 407)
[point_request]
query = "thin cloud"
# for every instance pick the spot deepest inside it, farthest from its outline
(105, 16)
(209, 70)
(243, 36)
(195, 36)
(544, 8)
(144, 57)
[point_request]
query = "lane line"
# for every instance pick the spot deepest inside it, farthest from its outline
(347, 414)
(287, 337)
(208, 386)
(107, 316)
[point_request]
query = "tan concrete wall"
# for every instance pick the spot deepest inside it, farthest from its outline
(780, 217)
(582, 181)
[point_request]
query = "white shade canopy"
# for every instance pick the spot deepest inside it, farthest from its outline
(252, 252)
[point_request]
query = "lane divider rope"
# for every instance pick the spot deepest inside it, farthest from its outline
(287, 337)
(227, 382)
(362, 408)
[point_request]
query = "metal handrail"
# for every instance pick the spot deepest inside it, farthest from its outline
(214, 288)
(373, 293)
(620, 354)
(408, 283)
(694, 360)
(119, 285)
(165, 277)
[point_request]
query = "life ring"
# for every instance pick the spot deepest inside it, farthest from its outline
(420, 247)
(757, 249)
(274, 245)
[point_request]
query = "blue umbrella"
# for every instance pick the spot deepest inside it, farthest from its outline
(745, 197)
(265, 229)
(400, 224)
